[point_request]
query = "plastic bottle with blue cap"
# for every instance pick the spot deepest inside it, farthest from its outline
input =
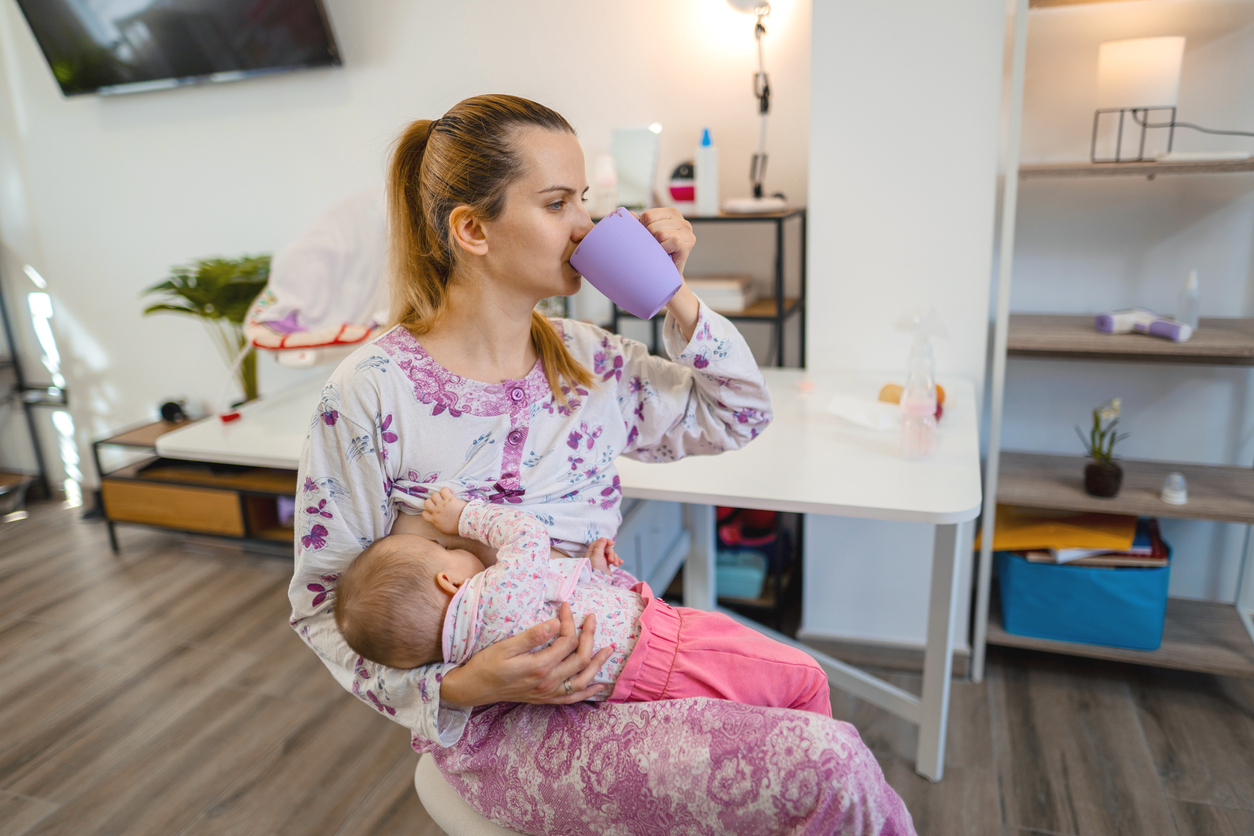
(706, 181)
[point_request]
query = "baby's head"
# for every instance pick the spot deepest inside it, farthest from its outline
(390, 602)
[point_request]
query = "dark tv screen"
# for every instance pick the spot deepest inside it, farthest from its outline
(123, 46)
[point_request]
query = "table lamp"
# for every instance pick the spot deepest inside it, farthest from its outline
(1138, 88)
(762, 90)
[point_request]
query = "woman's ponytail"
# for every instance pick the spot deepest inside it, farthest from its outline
(420, 288)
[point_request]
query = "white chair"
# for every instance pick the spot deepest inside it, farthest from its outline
(449, 810)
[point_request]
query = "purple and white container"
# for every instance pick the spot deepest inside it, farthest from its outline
(624, 261)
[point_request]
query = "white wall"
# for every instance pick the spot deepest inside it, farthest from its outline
(904, 134)
(1084, 247)
(103, 195)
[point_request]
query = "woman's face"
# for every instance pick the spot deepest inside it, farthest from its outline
(530, 244)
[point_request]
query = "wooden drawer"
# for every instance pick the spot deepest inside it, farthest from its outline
(173, 506)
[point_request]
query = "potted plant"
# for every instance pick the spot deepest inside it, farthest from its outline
(219, 291)
(1102, 477)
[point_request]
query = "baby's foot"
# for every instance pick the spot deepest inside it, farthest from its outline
(443, 510)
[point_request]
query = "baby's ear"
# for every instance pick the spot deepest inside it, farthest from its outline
(446, 584)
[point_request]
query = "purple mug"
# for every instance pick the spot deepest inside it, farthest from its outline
(624, 261)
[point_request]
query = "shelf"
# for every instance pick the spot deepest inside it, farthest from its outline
(1149, 169)
(278, 534)
(1217, 341)
(45, 396)
(763, 309)
(725, 217)
(259, 480)
(145, 436)
(10, 481)
(1204, 636)
(1033, 480)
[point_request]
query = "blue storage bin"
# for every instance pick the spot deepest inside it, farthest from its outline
(739, 574)
(1122, 607)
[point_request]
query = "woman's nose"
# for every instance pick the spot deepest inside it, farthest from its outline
(582, 227)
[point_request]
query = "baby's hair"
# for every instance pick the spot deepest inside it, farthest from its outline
(387, 604)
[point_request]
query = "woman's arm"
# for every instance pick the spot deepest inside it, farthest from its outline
(342, 507)
(708, 398)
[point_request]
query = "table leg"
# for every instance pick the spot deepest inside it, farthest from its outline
(939, 656)
(699, 580)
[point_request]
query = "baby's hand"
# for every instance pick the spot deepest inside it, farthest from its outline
(602, 555)
(443, 510)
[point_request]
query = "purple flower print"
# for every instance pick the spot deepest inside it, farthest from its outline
(575, 461)
(639, 410)
(633, 435)
(744, 416)
(592, 435)
(601, 362)
(389, 437)
(322, 589)
(389, 709)
(635, 385)
(591, 472)
(700, 362)
(704, 332)
(572, 440)
(316, 538)
(319, 510)
(501, 494)
(368, 694)
(310, 486)
(610, 494)
(329, 416)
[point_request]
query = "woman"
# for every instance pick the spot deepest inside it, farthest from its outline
(475, 391)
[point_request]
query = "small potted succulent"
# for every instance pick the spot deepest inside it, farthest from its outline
(1102, 477)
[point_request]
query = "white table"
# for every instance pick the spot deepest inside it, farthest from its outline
(807, 461)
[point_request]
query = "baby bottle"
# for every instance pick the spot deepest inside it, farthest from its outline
(918, 405)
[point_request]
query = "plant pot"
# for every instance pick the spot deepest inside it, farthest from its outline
(1102, 478)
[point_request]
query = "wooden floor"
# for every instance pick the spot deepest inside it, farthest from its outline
(162, 692)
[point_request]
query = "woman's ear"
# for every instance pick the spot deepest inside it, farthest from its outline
(468, 230)
(446, 584)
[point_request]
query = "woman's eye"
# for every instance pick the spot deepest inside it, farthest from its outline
(557, 205)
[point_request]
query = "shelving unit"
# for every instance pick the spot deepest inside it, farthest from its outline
(1202, 636)
(1149, 170)
(17, 389)
(232, 501)
(776, 308)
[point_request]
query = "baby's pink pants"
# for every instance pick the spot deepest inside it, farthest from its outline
(684, 652)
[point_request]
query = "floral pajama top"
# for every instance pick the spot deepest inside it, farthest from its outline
(394, 425)
(528, 586)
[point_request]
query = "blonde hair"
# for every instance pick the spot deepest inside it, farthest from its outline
(467, 157)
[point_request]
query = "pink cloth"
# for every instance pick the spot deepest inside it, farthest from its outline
(692, 766)
(683, 652)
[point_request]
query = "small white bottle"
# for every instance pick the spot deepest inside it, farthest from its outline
(1189, 302)
(918, 406)
(706, 180)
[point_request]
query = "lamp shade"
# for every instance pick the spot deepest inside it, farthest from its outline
(1143, 72)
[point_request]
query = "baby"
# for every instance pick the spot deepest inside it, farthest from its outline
(408, 601)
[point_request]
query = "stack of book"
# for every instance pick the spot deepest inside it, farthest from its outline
(1106, 540)
(727, 293)
(1147, 550)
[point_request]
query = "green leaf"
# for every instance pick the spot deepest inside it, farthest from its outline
(213, 289)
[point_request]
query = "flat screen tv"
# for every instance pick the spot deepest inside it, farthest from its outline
(125, 46)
